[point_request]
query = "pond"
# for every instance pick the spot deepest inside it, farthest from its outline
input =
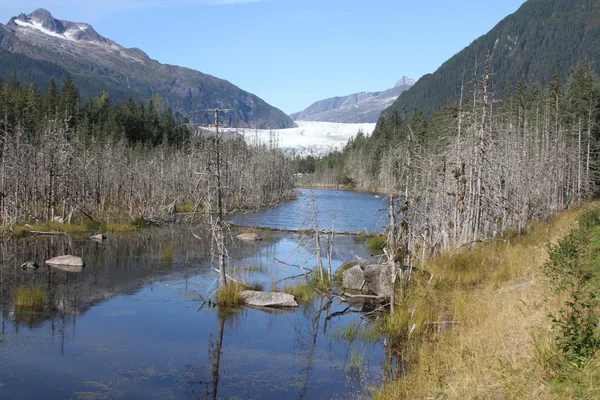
(134, 324)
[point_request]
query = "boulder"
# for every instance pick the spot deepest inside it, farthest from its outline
(98, 238)
(267, 299)
(250, 237)
(378, 278)
(30, 265)
(66, 263)
(353, 278)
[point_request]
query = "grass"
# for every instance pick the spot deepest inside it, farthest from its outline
(353, 331)
(228, 296)
(303, 291)
(377, 243)
(166, 253)
(34, 297)
(357, 359)
(500, 343)
(256, 286)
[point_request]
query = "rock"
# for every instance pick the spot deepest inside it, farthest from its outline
(249, 237)
(378, 279)
(98, 238)
(30, 265)
(353, 278)
(66, 263)
(267, 299)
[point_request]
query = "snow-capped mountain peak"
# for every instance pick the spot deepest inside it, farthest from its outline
(42, 21)
(405, 81)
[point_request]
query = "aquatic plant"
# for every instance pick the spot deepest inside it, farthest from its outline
(357, 359)
(35, 297)
(256, 286)
(229, 295)
(303, 291)
(166, 253)
(377, 243)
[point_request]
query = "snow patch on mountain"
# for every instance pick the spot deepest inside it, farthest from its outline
(38, 26)
(314, 138)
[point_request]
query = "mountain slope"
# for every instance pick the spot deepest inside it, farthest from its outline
(41, 46)
(543, 35)
(360, 107)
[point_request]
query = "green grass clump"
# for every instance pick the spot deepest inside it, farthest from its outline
(229, 295)
(357, 359)
(302, 292)
(347, 334)
(256, 286)
(377, 243)
(35, 297)
(166, 253)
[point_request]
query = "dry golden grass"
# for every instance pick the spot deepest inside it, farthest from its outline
(501, 345)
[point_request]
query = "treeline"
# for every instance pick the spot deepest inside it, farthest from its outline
(482, 166)
(61, 158)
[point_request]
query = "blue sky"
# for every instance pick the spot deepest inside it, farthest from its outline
(289, 52)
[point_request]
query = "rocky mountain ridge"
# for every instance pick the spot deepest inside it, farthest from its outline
(363, 107)
(39, 47)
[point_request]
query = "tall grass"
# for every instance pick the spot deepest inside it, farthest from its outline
(302, 291)
(34, 297)
(498, 340)
(228, 296)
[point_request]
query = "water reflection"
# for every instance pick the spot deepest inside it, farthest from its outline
(345, 211)
(132, 323)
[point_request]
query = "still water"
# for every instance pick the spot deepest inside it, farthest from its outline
(133, 323)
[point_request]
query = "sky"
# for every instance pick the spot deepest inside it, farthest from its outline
(290, 53)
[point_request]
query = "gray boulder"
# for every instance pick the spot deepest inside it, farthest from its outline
(353, 278)
(267, 299)
(378, 279)
(66, 263)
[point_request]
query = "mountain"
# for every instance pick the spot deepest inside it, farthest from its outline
(360, 107)
(39, 47)
(541, 37)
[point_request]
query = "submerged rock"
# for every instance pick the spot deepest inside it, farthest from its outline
(267, 299)
(250, 237)
(66, 263)
(30, 265)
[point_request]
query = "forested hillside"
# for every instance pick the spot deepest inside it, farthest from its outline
(541, 38)
(130, 161)
(474, 170)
